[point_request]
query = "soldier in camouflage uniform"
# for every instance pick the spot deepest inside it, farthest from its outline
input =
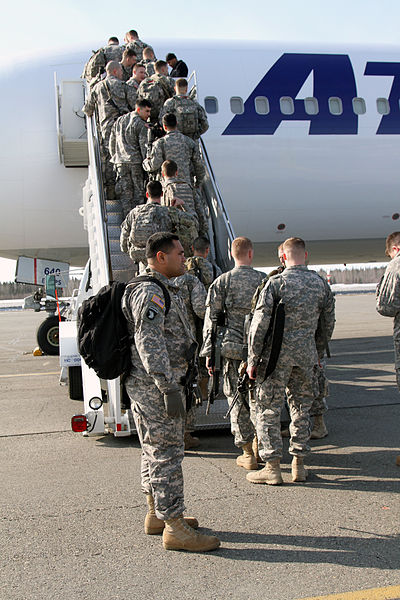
(127, 63)
(157, 88)
(194, 296)
(128, 147)
(109, 97)
(132, 85)
(305, 296)
(179, 192)
(96, 65)
(190, 115)
(149, 61)
(231, 293)
(179, 148)
(133, 42)
(162, 343)
(199, 265)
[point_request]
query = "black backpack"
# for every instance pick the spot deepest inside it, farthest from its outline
(103, 337)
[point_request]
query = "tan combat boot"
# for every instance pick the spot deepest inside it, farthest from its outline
(153, 525)
(319, 430)
(190, 441)
(255, 450)
(247, 460)
(177, 535)
(299, 473)
(270, 474)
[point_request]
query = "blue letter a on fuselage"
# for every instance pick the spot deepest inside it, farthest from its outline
(333, 77)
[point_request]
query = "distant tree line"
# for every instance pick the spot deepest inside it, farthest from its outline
(363, 275)
(10, 290)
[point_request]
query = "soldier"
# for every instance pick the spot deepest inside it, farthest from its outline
(127, 63)
(388, 297)
(230, 295)
(157, 88)
(133, 42)
(191, 117)
(96, 65)
(179, 192)
(138, 75)
(162, 345)
(194, 296)
(179, 68)
(199, 265)
(110, 98)
(305, 296)
(113, 51)
(149, 60)
(179, 148)
(128, 146)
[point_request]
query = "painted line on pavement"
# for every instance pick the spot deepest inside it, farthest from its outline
(29, 374)
(383, 593)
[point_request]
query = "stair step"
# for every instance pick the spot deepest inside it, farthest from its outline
(114, 218)
(114, 232)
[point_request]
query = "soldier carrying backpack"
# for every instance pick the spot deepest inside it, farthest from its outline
(157, 88)
(190, 115)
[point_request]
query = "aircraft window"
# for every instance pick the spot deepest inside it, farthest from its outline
(311, 106)
(335, 106)
(211, 105)
(359, 107)
(287, 105)
(261, 104)
(237, 105)
(383, 106)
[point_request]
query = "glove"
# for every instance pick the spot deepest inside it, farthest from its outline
(173, 402)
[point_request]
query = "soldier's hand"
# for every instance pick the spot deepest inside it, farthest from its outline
(252, 372)
(177, 201)
(209, 368)
(173, 402)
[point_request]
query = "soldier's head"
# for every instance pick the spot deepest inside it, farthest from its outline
(280, 255)
(181, 87)
(161, 67)
(131, 36)
(165, 254)
(294, 252)
(154, 192)
(392, 244)
(129, 58)
(169, 168)
(113, 41)
(242, 251)
(148, 53)
(169, 122)
(143, 108)
(139, 72)
(171, 59)
(201, 246)
(114, 69)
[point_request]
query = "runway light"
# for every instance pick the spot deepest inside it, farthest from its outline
(79, 423)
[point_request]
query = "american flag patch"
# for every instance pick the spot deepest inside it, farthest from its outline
(159, 301)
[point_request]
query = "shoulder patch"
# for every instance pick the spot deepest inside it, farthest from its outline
(158, 301)
(151, 314)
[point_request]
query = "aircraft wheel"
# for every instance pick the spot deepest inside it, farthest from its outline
(75, 383)
(48, 337)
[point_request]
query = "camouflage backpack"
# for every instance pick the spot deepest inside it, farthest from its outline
(184, 227)
(186, 116)
(156, 91)
(206, 276)
(150, 218)
(95, 65)
(137, 46)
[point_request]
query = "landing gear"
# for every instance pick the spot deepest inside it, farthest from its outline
(48, 335)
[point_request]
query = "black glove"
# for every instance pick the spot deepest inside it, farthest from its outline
(174, 404)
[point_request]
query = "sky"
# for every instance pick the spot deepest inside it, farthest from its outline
(35, 28)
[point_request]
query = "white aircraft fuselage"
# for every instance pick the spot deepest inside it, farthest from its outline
(304, 142)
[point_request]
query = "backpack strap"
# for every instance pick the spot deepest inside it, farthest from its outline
(167, 296)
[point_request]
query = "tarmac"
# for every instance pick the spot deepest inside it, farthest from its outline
(72, 510)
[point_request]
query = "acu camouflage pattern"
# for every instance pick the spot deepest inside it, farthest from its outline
(137, 46)
(203, 269)
(147, 219)
(109, 96)
(132, 87)
(157, 89)
(242, 423)
(191, 117)
(174, 187)
(194, 297)
(149, 66)
(388, 305)
(96, 65)
(128, 140)
(306, 296)
(129, 186)
(126, 72)
(161, 345)
(181, 149)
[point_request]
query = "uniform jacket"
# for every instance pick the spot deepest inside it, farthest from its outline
(128, 140)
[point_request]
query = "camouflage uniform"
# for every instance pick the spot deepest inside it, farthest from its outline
(137, 46)
(174, 187)
(96, 65)
(388, 305)
(159, 360)
(157, 89)
(232, 293)
(109, 95)
(305, 295)
(128, 146)
(181, 149)
(113, 52)
(180, 104)
(149, 66)
(206, 271)
(132, 87)
(126, 72)
(194, 296)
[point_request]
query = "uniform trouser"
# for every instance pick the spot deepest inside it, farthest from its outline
(319, 406)
(106, 166)
(161, 438)
(190, 420)
(396, 343)
(129, 186)
(300, 384)
(242, 427)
